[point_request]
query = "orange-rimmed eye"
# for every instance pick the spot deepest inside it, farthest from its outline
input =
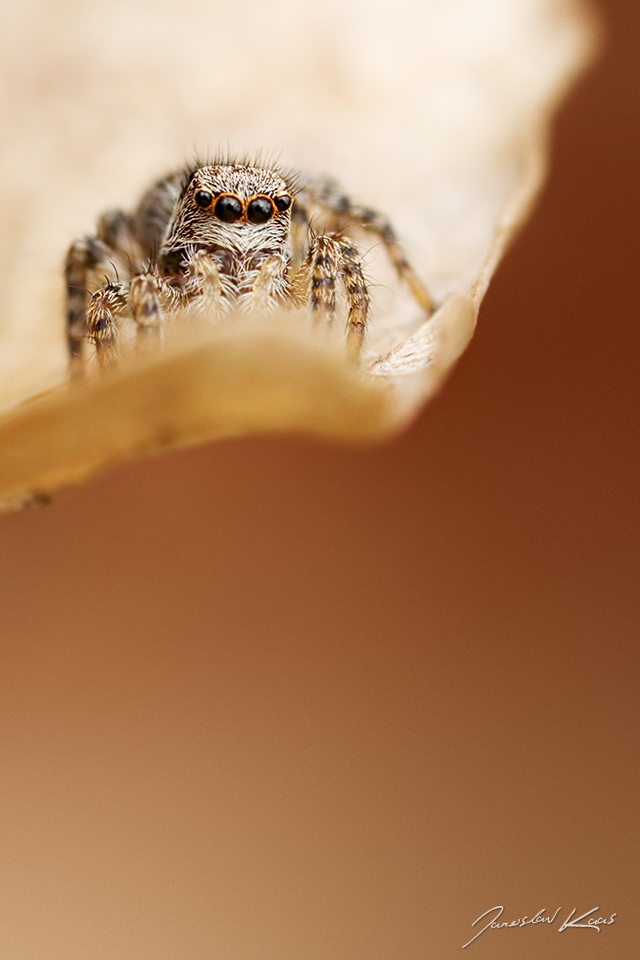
(283, 203)
(203, 198)
(260, 210)
(228, 208)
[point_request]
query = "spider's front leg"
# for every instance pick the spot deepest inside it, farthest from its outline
(105, 306)
(84, 258)
(114, 247)
(145, 298)
(150, 296)
(203, 288)
(269, 283)
(326, 194)
(375, 223)
(330, 259)
(357, 297)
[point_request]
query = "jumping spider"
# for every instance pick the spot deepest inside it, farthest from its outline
(223, 235)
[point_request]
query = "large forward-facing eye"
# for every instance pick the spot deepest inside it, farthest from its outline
(260, 210)
(228, 209)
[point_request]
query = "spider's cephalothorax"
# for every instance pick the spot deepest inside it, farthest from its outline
(221, 236)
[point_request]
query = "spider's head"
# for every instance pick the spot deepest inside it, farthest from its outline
(244, 207)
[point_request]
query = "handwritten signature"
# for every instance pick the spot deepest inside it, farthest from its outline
(591, 924)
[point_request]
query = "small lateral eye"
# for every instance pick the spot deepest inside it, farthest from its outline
(283, 203)
(203, 198)
(228, 209)
(260, 210)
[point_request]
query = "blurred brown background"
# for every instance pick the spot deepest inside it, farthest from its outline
(271, 700)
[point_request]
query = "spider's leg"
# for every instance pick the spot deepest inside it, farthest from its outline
(145, 304)
(106, 304)
(357, 297)
(269, 282)
(204, 286)
(150, 298)
(325, 193)
(330, 259)
(84, 257)
(323, 266)
(375, 223)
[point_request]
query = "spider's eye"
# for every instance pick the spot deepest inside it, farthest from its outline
(203, 198)
(283, 203)
(260, 210)
(228, 209)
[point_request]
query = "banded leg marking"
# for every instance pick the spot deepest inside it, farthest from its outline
(104, 307)
(327, 195)
(84, 257)
(357, 297)
(332, 259)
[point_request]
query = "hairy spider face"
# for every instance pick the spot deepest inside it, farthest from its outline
(232, 206)
(217, 238)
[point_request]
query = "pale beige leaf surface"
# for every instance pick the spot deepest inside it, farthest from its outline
(436, 112)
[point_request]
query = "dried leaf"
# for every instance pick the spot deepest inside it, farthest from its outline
(435, 112)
